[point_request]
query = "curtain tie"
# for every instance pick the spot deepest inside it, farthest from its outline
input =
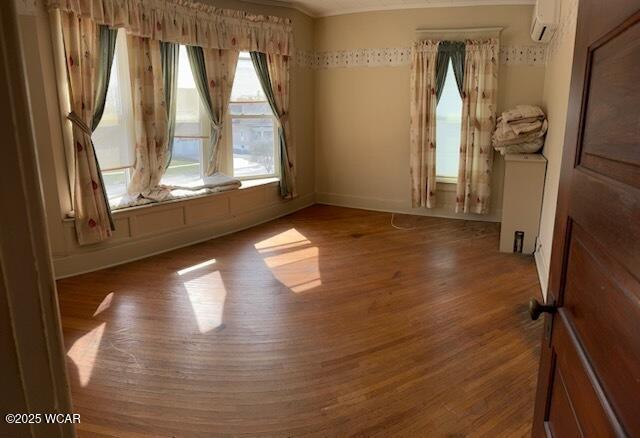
(79, 123)
(283, 118)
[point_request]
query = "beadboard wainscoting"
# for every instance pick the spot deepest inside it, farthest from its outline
(152, 229)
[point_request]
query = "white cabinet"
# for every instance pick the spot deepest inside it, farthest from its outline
(521, 202)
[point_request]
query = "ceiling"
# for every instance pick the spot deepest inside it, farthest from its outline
(323, 8)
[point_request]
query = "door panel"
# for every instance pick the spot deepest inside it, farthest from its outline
(589, 380)
(562, 418)
(610, 213)
(610, 137)
(589, 408)
(600, 302)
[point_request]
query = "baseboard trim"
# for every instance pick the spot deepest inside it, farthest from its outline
(91, 262)
(393, 206)
(543, 272)
(82, 263)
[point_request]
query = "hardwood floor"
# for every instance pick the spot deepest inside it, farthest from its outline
(328, 322)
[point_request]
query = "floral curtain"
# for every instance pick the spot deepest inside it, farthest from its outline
(273, 72)
(83, 52)
(478, 121)
(150, 118)
(187, 22)
(423, 124)
(213, 72)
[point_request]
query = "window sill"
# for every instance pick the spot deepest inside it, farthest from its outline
(446, 180)
(246, 185)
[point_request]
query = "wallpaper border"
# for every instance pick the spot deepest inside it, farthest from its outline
(531, 55)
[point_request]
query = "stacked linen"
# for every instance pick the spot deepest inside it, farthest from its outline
(520, 130)
(215, 183)
(218, 182)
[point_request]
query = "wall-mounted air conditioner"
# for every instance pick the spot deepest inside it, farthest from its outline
(546, 14)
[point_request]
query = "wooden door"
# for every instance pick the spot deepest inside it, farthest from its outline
(589, 379)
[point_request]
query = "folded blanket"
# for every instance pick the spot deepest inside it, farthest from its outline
(526, 127)
(505, 135)
(521, 112)
(211, 184)
(216, 182)
(522, 148)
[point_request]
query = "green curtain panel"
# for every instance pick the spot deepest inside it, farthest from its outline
(106, 51)
(213, 71)
(287, 181)
(169, 54)
(454, 51)
(442, 63)
(456, 54)
(199, 70)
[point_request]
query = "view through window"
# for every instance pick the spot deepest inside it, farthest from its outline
(251, 128)
(113, 139)
(192, 130)
(254, 128)
(448, 124)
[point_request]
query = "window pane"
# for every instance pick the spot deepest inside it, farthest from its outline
(114, 138)
(185, 164)
(115, 183)
(246, 86)
(253, 146)
(448, 123)
(189, 111)
(250, 109)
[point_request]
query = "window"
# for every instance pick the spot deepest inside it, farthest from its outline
(113, 139)
(192, 130)
(251, 132)
(448, 124)
(253, 126)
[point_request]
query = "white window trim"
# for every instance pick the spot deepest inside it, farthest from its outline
(205, 126)
(228, 141)
(447, 179)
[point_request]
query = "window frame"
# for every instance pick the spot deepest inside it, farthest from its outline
(228, 137)
(121, 70)
(446, 179)
(204, 122)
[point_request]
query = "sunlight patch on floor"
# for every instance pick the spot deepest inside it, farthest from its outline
(295, 263)
(104, 305)
(84, 352)
(196, 267)
(293, 257)
(207, 295)
(287, 239)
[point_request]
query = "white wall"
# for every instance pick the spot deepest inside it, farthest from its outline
(555, 100)
(362, 113)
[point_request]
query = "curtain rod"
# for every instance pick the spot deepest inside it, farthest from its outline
(461, 30)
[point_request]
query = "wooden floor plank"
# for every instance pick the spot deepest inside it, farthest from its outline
(327, 322)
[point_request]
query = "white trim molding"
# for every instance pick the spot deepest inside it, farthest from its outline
(530, 55)
(401, 207)
(308, 9)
